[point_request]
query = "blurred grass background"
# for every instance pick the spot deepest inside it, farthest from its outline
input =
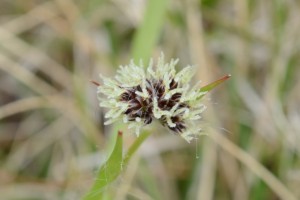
(51, 135)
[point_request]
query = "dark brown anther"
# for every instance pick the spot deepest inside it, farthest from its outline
(143, 107)
(148, 120)
(173, 84)
(176, 97)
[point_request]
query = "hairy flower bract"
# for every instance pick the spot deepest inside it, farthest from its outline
(139, 95)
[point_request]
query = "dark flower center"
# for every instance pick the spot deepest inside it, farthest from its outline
(140, 107)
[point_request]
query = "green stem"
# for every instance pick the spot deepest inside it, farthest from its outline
(137, 143)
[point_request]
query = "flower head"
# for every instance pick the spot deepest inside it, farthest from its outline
(139, 96)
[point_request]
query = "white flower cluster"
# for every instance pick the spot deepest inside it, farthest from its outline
(139, 95)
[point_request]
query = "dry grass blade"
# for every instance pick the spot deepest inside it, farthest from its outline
(68, 8)
(278, 187)
(25, 152)
(197, 47)
(23, 105)
(66, 106)
(46, 64)
(24, 190)
(34, 17)
(25, 76)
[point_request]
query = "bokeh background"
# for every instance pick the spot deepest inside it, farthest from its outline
(52, 138)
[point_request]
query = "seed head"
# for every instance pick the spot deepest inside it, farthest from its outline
(139, 96)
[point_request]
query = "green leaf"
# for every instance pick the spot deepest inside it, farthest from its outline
(114, 166)
(108, 172)
(214, 84)
(148, 33)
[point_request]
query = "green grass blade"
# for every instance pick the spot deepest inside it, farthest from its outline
(214, 84)
(108, 172)
(148, 33)
(113, 166)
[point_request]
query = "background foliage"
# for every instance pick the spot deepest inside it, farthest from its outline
(52, 140)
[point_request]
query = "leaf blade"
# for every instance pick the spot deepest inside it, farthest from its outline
(205, 89)
(148, 33)
(108, 172)
(214, 84)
